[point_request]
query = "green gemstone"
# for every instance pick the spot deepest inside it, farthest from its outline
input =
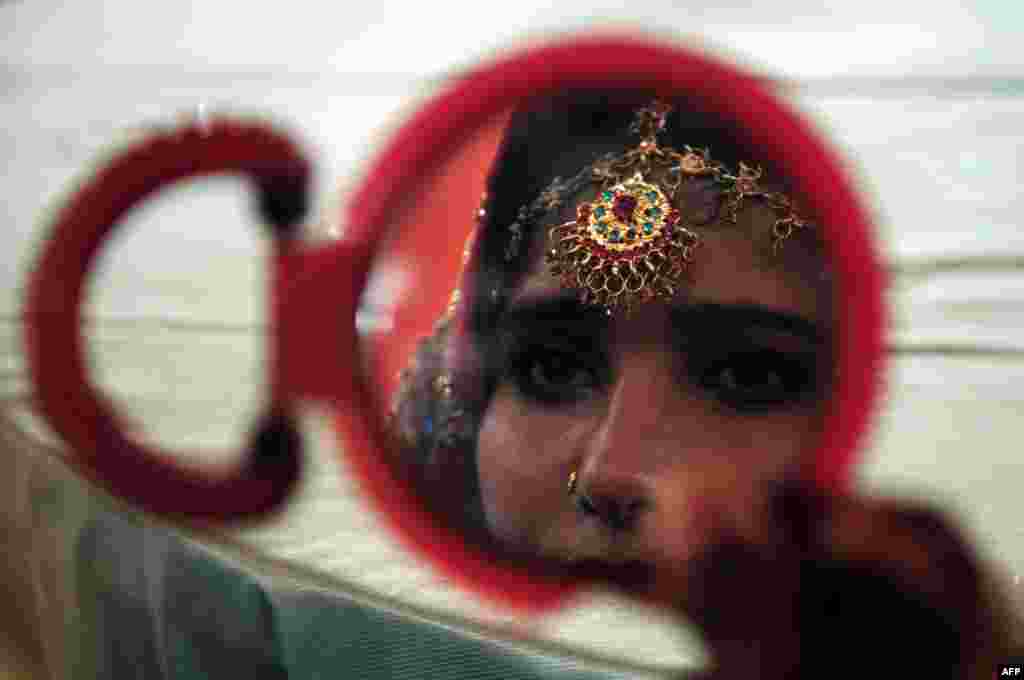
(602, 227)
(631, 234)
(653, 212)
(607, 195)
(648, 228)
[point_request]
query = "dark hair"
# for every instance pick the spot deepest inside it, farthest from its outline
(562, 137)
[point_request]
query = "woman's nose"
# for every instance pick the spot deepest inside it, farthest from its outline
(636, 438)
(616, 503)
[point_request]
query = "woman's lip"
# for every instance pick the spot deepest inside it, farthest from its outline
(628, 573)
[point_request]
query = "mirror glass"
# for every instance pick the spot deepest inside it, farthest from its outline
(629, 353)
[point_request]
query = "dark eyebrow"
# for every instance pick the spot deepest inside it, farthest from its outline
(576, 318)
(563, 310)
(744, 318)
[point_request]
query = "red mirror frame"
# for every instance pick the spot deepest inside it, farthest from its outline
(311, 356)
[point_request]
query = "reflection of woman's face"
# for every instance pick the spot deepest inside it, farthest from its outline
(676, 418)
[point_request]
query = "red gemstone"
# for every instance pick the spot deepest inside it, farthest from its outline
(623, 207)
(673, 216)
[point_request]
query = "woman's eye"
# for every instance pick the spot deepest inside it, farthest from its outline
(757, 381)
(555, 376)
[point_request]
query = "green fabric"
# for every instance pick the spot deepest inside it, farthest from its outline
(124, 599)
(210, 609)
(155, 606)
(321, 634)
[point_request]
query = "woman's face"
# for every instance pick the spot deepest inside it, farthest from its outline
(676, 419)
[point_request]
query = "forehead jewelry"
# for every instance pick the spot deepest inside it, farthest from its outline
(631, 244)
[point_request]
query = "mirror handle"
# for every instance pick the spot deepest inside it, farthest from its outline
(102, 448)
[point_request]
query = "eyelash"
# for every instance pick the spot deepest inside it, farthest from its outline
(745, 380)
(755, 380)
(523, 373)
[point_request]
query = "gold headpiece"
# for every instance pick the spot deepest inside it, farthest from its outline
(631, 244)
